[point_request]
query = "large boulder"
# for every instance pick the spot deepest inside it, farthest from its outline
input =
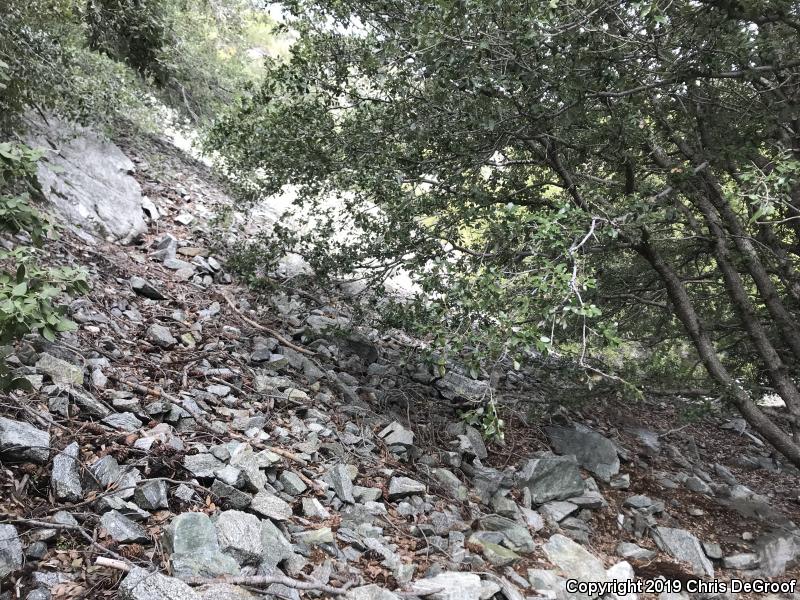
(88, 180)
(552, 478)
(594, 452)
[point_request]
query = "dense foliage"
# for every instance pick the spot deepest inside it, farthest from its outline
(556, 174)
(104, 59)
(29, 292)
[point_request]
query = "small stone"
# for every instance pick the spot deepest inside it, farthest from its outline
(342, 484)
(395, 434)
(88, 402)
(161, 336)
(123, 421)
(61, 372)
(684, 546)
(313, 509)
(141, 584)
(230, 475)
(99, 380)
(185, 493)
(23, 441)
(400, 487)
(229, 496)
(742, 561)
(558, 510)
(144, 288)
(122, 529)
(314, 537)
(698, 485)
(712, 550)
(11, 557)
(151, 495)
(239, 535)
(622, 482)
(202, 465)
(184, 219)
(292, 484)
(66, 477)
(271, 506)
(632, 551)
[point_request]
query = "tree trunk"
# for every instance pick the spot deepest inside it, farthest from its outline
(685, 311)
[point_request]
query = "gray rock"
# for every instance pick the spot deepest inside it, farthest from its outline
(88, 179)
(594, 452)
(342, 484)
(144, 288)
(314, 537)
(400, 487)
(558, 510)
(88, 403)
(712, 550)
(276, 547)
(224, 591)
(202, 465)
(313, 509)
(122, 529)
(243, 457)
(683, 546)
(161, 336)
(551, 478)
(191, 539)
(495, 554)
(517, 536)
(11, 557)
(698, 485)
(239, 535)
(66, 477)
(451, 483)
(151, 495)
(61, 372)
(777, 551)
(472, 443)
(747, 560)
(451, 585)
(370, 592)
(124, 421)
(632, 551)
(23, 441)
(292, 484)
(455, 385)
(229, 496)
(140, 584)
(574, 560)
(395, 434)
(270, 506)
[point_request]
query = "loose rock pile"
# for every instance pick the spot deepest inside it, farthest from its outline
(199, 453)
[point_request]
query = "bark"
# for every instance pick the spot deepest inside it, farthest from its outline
(684, 310)
(776, 368)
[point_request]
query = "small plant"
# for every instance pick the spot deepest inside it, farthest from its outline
(487, 421)
(27, 298)
(29, 291)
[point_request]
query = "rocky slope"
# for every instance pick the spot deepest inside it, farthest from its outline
(191, 441)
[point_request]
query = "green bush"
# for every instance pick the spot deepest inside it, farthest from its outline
(29, 292)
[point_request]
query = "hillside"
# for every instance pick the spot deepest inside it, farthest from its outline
(196, 439)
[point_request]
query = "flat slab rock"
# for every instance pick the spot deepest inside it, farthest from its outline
(684, 546)
(88, 179)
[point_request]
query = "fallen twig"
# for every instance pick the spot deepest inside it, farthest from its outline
(262, 581)
(261, 327)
